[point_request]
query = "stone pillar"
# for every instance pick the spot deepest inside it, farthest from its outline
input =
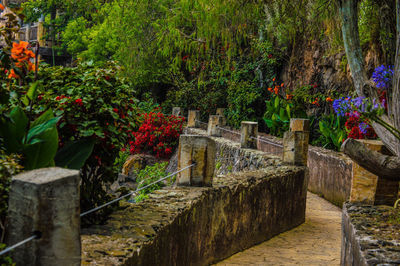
(27, 32)
(368, 188)
(295, 142)
(200, 150)
(248, 137)
(193, 118)
(221, 112)
(40, 34)
(213, 126)
(299, 124)
(45, 200)
(176, 111)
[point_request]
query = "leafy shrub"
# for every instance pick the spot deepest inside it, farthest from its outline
(9, 166)
(149, 175)
(98, 112)
(243, 99)
(332, 132)
(158, 134)
(280, 110)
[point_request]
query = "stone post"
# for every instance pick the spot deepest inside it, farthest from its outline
(41, 33)
(221, 112)
(295, 142)
(193, 118)
(47, 201)
(28, 32)
(176, 111)
(200, 150)
(371, 189)
(299, 124)
(248, 137)
(213, 126)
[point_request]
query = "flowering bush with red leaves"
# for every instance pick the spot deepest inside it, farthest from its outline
(158, 135)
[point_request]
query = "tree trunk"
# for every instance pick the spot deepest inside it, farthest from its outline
(364, 87)
(384, 166)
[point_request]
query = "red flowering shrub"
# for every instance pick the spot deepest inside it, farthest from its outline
(159, 134)
(358, 129)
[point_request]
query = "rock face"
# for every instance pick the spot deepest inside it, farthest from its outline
(367, 236)
(137, 162)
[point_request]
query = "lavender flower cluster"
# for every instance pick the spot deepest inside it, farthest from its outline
(382, 77)
(345, 106)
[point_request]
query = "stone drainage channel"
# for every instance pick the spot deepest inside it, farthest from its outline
(316, 242)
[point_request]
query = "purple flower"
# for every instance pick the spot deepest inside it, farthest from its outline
(382, 76)
(342, 106)
(363, 127)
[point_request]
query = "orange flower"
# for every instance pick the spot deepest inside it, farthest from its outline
(329, 99)
(289, 96)
(1, 7)
(22, 55)
(276, 90)
(273, 79)
(12, 74)
(270, 89)
(315, 102)
(282, 85)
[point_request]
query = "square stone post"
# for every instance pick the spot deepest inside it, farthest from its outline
(193, 118)
(200, 150)
(248, 137)
(295, 142)
(371, 189)
(47, 201)
(213, 126)
(176, 111)
(221, 112)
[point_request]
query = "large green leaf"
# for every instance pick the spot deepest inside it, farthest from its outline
(36, 131)
(74, 155)
(32, 91)
(41, 153)
(13, 128)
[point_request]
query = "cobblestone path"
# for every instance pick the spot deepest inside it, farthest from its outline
(316, 242)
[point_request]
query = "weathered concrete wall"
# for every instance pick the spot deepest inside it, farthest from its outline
(330, 174)
(367, 236)
(199, 226)
(202, 225)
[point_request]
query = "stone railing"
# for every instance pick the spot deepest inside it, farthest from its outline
(332, 175)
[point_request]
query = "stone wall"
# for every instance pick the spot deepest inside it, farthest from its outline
(203, 225)
(368, 238)
(231, 158)
(330, 172)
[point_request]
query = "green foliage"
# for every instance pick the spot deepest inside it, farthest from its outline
(332, 130)
(149, 175)
(242, 98)
(9, 166)
(98, 113)
(277, 116)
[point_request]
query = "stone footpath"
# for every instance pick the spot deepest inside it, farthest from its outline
(316, 242)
